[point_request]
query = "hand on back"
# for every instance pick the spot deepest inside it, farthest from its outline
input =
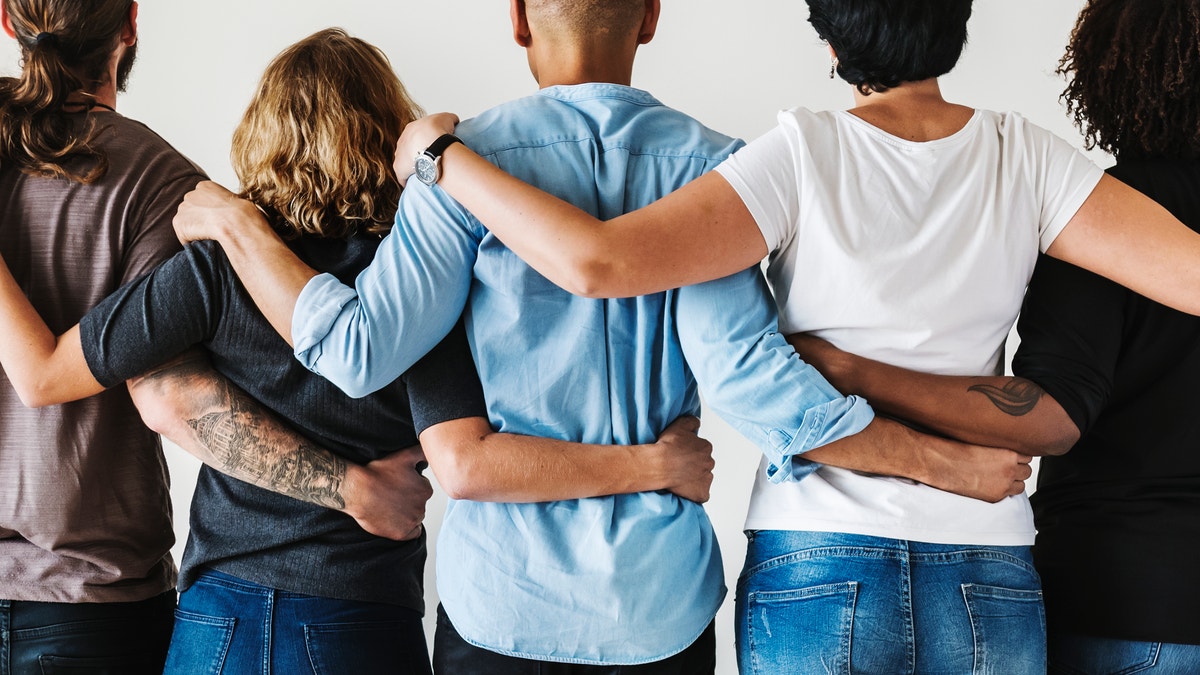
(687, 460)
(387, 497)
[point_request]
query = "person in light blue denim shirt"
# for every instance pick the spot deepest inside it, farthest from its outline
(621, 580)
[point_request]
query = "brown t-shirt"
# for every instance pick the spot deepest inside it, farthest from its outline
(85, 512)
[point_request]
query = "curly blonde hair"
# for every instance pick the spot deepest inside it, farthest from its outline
(314, 149)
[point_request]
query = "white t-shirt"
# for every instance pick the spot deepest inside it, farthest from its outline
(914, 254)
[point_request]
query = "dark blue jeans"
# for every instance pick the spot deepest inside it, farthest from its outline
(814, 602)
(452, 655)
(228, 625)
(117, 638)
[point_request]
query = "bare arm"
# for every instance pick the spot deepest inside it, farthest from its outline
(45, 369)
(1121, 234)
(271, 273)
(889, 448)
(471, 461)
(701, 232)
(1009, 412)
(202, 412)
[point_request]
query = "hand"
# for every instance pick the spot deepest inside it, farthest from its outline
(209, 208)
(387, 496)
(687, 460)
(836, 365)
(417, 136)
(976, 471)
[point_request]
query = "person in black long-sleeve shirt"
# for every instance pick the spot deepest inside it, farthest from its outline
(1118, 516)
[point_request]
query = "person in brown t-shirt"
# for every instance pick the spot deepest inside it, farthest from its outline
(86, 198)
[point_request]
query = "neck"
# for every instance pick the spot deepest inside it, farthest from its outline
(907, 95)
(913, 111)
(554, 65)
(104, 97)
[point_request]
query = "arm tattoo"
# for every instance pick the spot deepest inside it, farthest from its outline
(1018, 397)
(244, 439)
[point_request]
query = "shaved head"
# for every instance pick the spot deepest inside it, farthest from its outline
(603, 19)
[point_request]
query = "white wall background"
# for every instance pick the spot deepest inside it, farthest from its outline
(732, 65)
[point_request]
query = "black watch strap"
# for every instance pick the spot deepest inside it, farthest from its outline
(439, 146)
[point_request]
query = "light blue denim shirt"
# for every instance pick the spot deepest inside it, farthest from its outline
(623, 579)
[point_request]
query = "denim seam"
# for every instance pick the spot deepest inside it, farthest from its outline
(268, 632)
(910, 657)
(823, 552)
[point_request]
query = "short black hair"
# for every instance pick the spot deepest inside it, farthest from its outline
(881, 43)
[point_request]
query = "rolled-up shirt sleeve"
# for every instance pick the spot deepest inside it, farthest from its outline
(401, 305)
(753, 378)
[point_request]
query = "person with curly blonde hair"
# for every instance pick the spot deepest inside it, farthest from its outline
(266, 573)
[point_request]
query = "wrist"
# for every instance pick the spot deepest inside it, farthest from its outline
(354, 484)
(652, 468)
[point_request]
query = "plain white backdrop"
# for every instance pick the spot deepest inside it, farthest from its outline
(732, 65)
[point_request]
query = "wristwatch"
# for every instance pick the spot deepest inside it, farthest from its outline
(428, 165)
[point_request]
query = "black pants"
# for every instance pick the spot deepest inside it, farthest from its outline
(118, 638)
(453, 655)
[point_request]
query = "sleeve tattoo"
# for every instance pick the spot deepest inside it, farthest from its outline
(239, 437)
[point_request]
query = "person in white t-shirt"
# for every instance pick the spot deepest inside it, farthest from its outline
(905, 229)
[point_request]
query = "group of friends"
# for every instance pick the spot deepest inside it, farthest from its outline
(531, 308)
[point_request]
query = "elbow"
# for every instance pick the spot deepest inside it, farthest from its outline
(36, 396)
(1052, 442)
(591, 274)
(353, 383)
(591, 282)
(455, 471)
(157, 413)
(39, 393)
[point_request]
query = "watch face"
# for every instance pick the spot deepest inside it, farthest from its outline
(426, 169)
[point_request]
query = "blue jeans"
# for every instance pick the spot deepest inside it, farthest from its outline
(227, 625)
(112, 638)
(816, 602)
(1082, 655)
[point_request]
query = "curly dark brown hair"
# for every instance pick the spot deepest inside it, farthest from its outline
(1133, 73)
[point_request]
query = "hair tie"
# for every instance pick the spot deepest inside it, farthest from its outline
(45, 37)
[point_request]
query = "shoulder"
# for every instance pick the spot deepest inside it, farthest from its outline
(131, 145)
(1018, 131)
(607, 116)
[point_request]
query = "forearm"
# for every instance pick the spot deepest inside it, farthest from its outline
(888, 448)
(45, 369)
(994, 411)
(473, 462)
(998, 411)
(640, 252)
(189, 403)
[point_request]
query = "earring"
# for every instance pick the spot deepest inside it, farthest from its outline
(833, 64)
